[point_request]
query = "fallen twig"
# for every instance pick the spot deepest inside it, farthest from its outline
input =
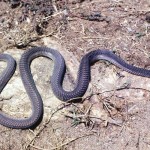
(66, 143)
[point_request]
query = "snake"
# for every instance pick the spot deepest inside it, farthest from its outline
(56, 80)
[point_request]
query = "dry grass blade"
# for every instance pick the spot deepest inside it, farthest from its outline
(64, 144)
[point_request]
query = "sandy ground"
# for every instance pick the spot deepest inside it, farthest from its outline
(115, 110)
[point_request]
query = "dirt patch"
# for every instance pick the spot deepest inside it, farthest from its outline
(115, 111)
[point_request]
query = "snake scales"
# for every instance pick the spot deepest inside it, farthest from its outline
(82, 82)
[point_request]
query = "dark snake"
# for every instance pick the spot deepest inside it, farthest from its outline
(82, 82)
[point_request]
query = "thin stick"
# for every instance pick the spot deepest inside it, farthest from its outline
(66, 143)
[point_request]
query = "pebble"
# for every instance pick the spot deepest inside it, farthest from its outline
(148, 17)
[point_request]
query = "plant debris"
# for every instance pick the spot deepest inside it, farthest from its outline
(95, 16)
(38, 7)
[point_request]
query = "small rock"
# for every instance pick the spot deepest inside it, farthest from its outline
(148, 17)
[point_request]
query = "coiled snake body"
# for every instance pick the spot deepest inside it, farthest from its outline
(82, 82)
